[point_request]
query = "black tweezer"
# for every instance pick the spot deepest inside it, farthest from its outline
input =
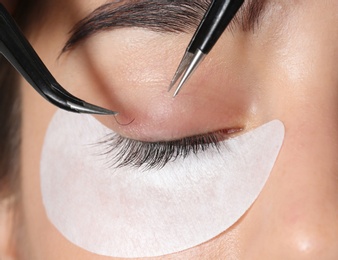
(215, 21)
(18, 51)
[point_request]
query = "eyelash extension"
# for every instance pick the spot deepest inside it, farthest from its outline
(149, 155)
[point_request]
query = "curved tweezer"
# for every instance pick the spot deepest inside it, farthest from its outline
(17, 50)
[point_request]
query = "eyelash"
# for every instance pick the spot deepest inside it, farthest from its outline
(149, 155)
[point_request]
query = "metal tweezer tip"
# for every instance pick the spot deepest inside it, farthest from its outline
(181, 68)
(87, 108)
(190, 66)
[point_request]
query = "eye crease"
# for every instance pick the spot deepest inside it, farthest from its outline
(160, 16)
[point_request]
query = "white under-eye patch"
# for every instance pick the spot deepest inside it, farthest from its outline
(129, 212)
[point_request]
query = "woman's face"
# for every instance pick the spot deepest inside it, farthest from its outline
(283, 69)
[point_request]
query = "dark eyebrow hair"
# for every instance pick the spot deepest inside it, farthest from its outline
(170, 16)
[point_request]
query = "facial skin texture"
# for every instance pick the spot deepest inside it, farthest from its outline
(286, 70)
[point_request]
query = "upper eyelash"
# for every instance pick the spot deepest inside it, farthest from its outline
(149, 155)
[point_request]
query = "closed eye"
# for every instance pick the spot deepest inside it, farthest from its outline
(122, 152)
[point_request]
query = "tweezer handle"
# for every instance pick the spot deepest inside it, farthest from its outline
(18, 51)
(213, 24)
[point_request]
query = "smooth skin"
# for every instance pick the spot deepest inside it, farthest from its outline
(286, 70)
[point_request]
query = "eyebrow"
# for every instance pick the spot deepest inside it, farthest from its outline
(168, 16)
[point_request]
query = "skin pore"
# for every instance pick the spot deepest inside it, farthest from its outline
(285, 69)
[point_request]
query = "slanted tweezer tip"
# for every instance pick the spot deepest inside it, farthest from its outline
(87, 108)
(194, 63)
(180, 85)
(187, 57)
(171, 85)
(99, 110)
(178, 89)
